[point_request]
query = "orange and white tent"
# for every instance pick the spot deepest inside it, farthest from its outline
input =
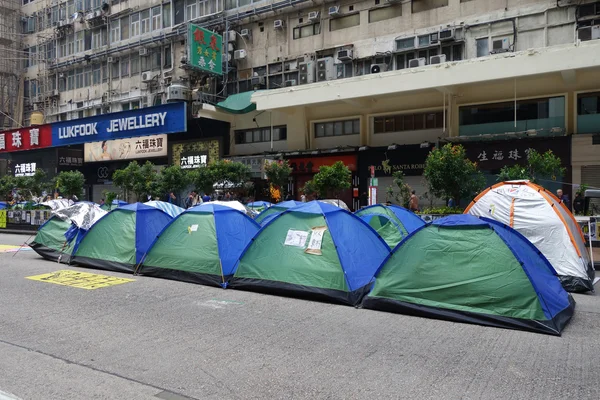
(543, 219)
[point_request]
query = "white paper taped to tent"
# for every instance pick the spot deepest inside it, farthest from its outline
(316, 241)
(296, 238)
(540, 216)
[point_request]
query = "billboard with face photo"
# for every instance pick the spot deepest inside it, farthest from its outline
(126, 149)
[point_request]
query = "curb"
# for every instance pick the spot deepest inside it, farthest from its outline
(17, 232)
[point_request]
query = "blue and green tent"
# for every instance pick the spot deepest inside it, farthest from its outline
(474, 270)
(393, 223)
(268, 214)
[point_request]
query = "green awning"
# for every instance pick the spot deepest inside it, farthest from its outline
(238, 103)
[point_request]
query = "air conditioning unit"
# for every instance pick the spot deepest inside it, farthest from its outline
(334, 11)
(55, 93)
(89, 16)
(111, 59)
(434, 38)
(257, 81)
(245, 33)
(278, 24)
(231, 36)
(148, 76)
(345, 55)
(446, 34)
(98, 13)
(437, 59)
(240, 54)
(416, 62)
(325, 69)
(500, 46)
(313, 15)
(64, 22)
(377, 68)
(143, 51)
(307, 72)
(290, 82)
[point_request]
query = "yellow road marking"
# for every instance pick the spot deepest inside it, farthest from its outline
(82, 280)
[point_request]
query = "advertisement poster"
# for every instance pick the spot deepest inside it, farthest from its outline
(126, 149)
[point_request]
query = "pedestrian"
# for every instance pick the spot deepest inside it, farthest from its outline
(206, 198)
(563, 198)
(303, 198)
(578, 203)
(451, 202)
(413, 203)
(171, 198)
(188, 202)
(101, 202)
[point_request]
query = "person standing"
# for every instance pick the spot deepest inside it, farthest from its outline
(413, 203)
(563, 198)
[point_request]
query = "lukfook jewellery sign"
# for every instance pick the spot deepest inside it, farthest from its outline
(165, 119)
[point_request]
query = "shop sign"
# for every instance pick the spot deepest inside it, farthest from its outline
(25, 169)
(192, 160)
(256, 164)
(205, 49)
(70, 158)
(311, 165)
(31, 138)
(164, 119)
(381, 162)
(126, 149)
(493, 155)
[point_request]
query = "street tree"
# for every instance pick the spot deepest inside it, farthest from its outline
(125, 178)
(538, 166)
(451, 175)
(330, 181)
(278, 173)
(70, 183)
(227, 172)
(174, 179)
(399, 190)
(203, 180)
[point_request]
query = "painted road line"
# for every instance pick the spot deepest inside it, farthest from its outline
(82, 280)
(9, 248)
(8, 396)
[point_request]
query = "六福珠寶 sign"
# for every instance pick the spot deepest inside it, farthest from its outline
(25, 169)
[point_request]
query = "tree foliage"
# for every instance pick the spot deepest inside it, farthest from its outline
(331, 180)
(202, 179)
(174, 179)
(225, 172)
(125, 178)
(108, 198)
(399, 191)
(538, 166)
(278, 172)
(450, 174)
(70, 183)
(142, 180)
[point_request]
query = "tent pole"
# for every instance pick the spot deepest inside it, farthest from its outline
(222, 275)
(23, 245)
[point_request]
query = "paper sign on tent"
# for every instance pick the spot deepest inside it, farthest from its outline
(296, 238)
(316, 241)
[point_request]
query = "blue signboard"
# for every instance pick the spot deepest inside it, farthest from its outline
(168, 118)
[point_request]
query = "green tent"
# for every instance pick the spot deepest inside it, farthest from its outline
(392, 223)
(465, 269)
(201, 245)
(119, 240)
(268, 214)
(50, 241)
(315, 250)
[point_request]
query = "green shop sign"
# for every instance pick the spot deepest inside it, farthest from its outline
(205, 49)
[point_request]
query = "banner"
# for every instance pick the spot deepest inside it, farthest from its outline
(126, 149)
(164, 119)
(3, 218)
(30, 138)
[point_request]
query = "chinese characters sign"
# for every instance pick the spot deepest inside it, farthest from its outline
(312, 165)
(493, 155)
(24, 169)
(205, 49)
(126, 149)
(34, 137)
(191, 160)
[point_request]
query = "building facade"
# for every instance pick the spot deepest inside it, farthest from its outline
(327, 75)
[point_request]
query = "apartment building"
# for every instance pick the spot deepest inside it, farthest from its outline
(386, 77)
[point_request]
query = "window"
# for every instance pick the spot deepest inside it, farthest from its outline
(307, 30)
(70, 7)
(87, 40)
(145, 18)
(115, 31)
(135, 64)
(32, 56)
(344, 22)
(135, 24)
(104, 72)
(79, 42)
(260, 135)
(168, 59)
(156, 18)
(79, 78)
(125, 28)
(337, 128)
(124, 67)
(531, 109)
(426, 5)
(408, 122)
(87, 76)
(191, 9)
(483, 47)
(166, 21)
(588, 103)
(114, 70)
(179, 11)
(71, 80)
(98, 38)
(62, 47)
(96, 74)
(70, 44)
(404, 44)
(381, 14)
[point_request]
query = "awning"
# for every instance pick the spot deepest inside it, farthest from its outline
(238, 103)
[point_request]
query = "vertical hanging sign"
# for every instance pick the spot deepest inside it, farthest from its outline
(205, 49)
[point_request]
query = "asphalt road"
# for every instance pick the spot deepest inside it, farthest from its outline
(159, 339)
